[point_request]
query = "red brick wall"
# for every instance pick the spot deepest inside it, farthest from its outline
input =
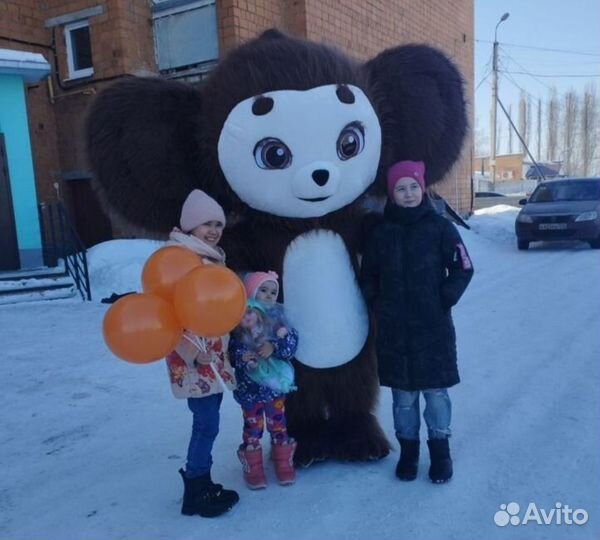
(122, 43)
(121, 36)
(22, 19)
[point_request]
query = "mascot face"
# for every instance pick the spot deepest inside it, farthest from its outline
(301, 154)
(283, 127)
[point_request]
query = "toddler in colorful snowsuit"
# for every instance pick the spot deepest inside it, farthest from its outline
(263, 335)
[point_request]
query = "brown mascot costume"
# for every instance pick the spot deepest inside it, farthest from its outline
(289, 136)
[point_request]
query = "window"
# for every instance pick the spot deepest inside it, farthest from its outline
(79, 49)
(185, 35)
(571, 190)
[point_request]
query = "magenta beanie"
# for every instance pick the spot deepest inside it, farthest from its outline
(200, 208)
(254, 280)
(404, 169)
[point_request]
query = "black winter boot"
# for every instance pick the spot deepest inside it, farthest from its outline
(441, 462)
(202, 496)
(409, 459)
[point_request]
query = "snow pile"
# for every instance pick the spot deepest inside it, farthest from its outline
(116, 266)
(497, 223)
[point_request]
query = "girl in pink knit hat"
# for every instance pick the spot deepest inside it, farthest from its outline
(414, 270)
(260, 349)
(201, 227)
(193, 372)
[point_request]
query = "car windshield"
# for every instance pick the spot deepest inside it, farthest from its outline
(570, 190)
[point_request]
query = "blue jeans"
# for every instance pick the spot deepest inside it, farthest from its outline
(205, 428)
(437, 414)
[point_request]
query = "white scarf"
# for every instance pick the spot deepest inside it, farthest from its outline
(179, 238)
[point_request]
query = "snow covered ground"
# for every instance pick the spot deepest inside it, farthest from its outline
(90, 445)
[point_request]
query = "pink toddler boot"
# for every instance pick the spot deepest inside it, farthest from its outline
(283, 458)
(252, 464)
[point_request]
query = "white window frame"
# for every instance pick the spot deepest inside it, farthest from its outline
(187, 6)
(75, 73)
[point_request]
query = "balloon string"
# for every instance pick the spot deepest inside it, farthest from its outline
(200, 344)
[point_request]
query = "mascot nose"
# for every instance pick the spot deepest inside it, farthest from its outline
(320, 176)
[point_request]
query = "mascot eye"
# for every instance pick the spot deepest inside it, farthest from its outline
(272, 153)
(351, 141)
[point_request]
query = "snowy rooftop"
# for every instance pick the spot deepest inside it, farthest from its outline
(31, 66)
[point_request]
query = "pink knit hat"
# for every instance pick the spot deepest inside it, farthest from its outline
(254, 280)
(405, 169)
(200, 208)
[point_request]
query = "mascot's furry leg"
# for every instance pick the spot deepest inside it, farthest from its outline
(331, 414)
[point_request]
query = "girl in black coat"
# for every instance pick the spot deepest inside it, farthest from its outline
(415, 268)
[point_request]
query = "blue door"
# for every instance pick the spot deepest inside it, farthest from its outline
(9, 249)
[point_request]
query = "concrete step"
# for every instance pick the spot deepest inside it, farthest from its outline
(35, 289)
(41, 272)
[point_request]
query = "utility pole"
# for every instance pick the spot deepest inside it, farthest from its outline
(539, 129)
(494, 103)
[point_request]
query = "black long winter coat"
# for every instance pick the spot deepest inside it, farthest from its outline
(414, 269)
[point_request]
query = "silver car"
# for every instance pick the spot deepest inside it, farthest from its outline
(565, 209)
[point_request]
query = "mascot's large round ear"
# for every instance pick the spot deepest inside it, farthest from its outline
(419, 94)
(143, 146)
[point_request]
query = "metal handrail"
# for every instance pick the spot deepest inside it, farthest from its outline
(60, 238)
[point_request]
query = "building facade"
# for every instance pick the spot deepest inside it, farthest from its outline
(90, 43)
(509, 167)
(515, 167)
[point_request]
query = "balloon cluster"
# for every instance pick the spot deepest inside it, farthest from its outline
(180, 292)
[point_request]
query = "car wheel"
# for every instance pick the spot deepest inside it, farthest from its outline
(595, 244)
(522, 244)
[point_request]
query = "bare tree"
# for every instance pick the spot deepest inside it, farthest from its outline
(539, 130)
(552, 113)
(481, 140)
(528, 123)
(510, 132)
(589, 129)
(523, 120)
(569, 132)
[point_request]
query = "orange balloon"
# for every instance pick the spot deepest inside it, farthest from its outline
(165, 268)
(141, 328)
(210, 301)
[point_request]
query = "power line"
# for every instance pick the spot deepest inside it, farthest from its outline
(512, 81)
(487, 70)
(552, 76)
(535, 58)
(525, 69)
(482, 80)
(582, 53)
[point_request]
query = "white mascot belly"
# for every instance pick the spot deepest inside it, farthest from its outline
(323, 300)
